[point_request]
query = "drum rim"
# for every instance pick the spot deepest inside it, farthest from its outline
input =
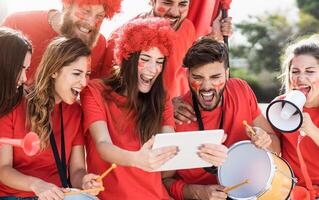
(272, 171)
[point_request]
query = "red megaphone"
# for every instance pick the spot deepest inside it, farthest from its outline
(30, 143)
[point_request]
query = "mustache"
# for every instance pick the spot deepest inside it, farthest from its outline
(211, 90)
(173, 17)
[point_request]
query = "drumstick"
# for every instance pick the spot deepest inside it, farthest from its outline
(106, 172)
(253, 133)
(228, 189)
(85, 191)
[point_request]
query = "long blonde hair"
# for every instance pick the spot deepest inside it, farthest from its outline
(305, 46)
(60, 52)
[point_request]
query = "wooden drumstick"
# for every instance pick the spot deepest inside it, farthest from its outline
(85, 191)
(113, 166)
(228, 189)
(253, 133)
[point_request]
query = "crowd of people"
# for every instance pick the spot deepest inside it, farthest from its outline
(96, 101)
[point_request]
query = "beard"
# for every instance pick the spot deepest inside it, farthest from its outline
(68, 29)
(216, 99)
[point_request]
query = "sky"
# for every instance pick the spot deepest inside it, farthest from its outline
(240, 9)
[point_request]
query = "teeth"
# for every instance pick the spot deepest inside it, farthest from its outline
(75, 91)
(145, 79)
(85, 30)
(207, 94)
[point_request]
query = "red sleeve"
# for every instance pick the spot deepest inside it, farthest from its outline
(6, 125)
(79, 138)
(92, 104)
(168, 116)
(176, 189)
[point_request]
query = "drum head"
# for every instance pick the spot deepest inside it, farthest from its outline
(82, 196)
(245, 161)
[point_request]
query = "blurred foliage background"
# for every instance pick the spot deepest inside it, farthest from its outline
(267, 36)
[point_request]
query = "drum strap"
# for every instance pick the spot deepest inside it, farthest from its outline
(60, 162)
(213, 169)
(313, 192)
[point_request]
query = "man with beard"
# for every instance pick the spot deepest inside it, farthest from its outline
(78, 18)
(220, 102)
(176, 12)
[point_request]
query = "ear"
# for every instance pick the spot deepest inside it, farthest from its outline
(55, 75)
(227, 73)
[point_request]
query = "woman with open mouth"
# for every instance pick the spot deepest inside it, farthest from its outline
(50, 110)
(301, 72)
(124, 112)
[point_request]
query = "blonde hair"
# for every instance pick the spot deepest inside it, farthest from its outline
(304, 46)
(60, 53)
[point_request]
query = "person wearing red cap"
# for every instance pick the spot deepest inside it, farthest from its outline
(175, 11)
(78, 18)
(123, 112)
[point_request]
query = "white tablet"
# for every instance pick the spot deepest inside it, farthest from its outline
(188, 143)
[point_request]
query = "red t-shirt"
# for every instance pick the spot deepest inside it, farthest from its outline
(124, 182)
(308, 148)
(42, 165)
(175, 76)
(239, 104)
(34, 25)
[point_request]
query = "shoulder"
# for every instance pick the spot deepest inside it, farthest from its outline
(237, 84)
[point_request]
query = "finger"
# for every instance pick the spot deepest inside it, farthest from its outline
(218, 187)
(163, 150)
(189, 108)
(180, 117)
(186, 113)
(161, 160)
(177, 121)
(216, 161)
(219, 195)
(213, 148)
(51, 195)
(224, 137)
(66, 190)
(58, 193)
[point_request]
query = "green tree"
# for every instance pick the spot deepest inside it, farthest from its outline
(266, 36)
(309, 6)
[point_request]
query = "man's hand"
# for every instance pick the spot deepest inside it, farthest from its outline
(183, 112)
(220, 28)
(259, 137)
(207, 192)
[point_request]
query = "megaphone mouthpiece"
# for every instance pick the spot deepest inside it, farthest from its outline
(30, 143)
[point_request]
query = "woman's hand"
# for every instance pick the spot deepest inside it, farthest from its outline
(47, 191)
(89, 182)
(149, 159)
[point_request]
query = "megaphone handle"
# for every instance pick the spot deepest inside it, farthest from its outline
(13, 142)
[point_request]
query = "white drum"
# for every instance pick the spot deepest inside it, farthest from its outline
(82, 196)
(270, 177)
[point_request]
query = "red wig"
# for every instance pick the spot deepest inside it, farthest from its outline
(110, 6)
(143, 34)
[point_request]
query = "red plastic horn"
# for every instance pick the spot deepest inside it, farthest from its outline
(30, 143)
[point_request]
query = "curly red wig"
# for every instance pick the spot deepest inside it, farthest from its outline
(143, 34)
(110, 6)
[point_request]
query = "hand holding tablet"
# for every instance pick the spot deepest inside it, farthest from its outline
(188, 144)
